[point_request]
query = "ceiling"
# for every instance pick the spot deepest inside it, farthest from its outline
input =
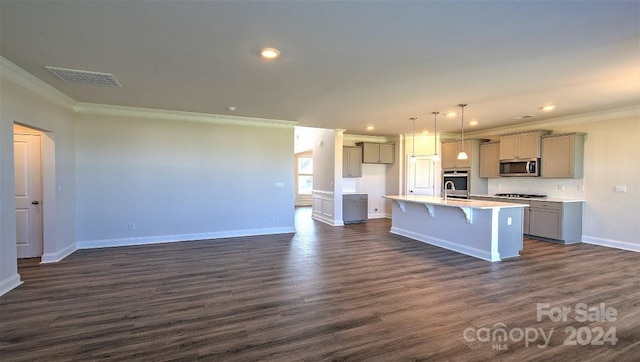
(346, 64)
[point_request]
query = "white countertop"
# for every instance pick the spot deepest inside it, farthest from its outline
(548, 199)
(473, 204)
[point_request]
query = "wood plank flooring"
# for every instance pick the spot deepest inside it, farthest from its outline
(325, 293)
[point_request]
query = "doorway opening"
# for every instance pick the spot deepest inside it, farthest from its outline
(35, 186)
(304, 178)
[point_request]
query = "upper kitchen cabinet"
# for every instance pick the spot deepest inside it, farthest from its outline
(450, 152)
(377, 152)
(520, 146)
(490, 160)
(562, 156)
(351, 162)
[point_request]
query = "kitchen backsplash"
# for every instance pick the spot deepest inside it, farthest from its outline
(558, 188)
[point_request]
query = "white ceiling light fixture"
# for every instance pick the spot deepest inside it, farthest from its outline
(462, 155)
(84, 76)
(413, 152)
(436, 157)
(548, 108)
(269, 53)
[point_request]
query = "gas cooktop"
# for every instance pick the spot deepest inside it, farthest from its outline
(524, 196)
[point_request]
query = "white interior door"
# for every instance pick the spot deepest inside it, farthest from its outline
(420, 175)
(28, 176)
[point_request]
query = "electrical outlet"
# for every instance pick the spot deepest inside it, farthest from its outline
(509, 220)
(560, 187)
(131, 226)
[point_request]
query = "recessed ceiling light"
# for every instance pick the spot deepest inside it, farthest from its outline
(451, 114)
(269, 53)
(231, 108)
(473, 123)
(370, 128)
(548, 108)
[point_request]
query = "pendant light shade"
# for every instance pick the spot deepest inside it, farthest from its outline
(436, 157)
(462, 155)
(413, 141)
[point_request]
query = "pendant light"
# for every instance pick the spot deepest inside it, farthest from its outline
(413, 152)
(436, 157)
(462, 155)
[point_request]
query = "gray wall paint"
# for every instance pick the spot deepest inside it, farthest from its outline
(177, 178)
(23, 106)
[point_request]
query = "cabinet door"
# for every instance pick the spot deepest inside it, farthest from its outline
(490, 160)
(370, 153)
(352, 162)
(546, 223)
(558, 156)
(465, 163)
(361, 208)
(348, 209)
(525, 225)
(529, 145)
(509, 147)
(450, 152)
(386, 153)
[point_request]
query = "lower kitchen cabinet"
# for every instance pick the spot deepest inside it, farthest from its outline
(560, 221)
(355, 208)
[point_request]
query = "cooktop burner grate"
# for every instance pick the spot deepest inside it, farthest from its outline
(524, 196)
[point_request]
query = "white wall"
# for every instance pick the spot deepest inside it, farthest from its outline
(180, 180)
(29, 108)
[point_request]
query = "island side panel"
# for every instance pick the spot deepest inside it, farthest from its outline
(510, 237)
(448, 228)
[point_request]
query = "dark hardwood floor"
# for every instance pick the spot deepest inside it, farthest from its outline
(326, 293)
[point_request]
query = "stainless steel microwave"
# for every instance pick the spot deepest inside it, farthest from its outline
(528, 167)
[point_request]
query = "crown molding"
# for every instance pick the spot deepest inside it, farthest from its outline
(365, 138)
(137, 112)
(21, 77)
(609, 114)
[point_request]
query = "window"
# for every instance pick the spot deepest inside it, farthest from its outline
(305, 175)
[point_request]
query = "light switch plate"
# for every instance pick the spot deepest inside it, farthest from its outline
(620, 188)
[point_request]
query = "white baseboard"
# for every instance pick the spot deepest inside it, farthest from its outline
(463, 249)
(106, 243)
(9, 283)
(56, 257)
(326, 219)
(624, 245)
(378, 215)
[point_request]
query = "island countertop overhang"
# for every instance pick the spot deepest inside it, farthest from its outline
(466, 203)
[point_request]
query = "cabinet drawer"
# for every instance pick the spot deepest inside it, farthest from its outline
(355, 197)
(546, 205)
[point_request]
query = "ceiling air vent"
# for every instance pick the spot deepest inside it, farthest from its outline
(524, 116)
(84, 76)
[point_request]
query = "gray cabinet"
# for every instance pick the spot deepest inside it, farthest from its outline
(377, 152)
(351, 162)
(450, 152)
(560, 221)
(520, 146)
(355, 208)
(562, 156)
(525, 217)
(490, 160)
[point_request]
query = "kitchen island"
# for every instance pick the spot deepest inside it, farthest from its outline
(484, 229)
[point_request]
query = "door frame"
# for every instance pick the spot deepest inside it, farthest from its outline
(48, 171)
(407, 175)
